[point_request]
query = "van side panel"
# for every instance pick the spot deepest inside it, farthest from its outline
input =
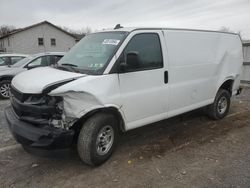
(199, 62)
(231, 65)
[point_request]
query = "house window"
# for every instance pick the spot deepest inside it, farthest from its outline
(40, 42)
(8, 41)
(2, 43)
(53, 42)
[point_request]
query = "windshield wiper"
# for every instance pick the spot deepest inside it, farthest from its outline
(72, 67)
(69, 64)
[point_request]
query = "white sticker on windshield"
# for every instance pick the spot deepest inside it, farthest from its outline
(111, 41)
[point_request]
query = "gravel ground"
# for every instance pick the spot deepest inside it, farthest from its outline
(5, 136)
(186, 151)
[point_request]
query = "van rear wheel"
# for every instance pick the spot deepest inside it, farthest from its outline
(219, 109)
(97, 139)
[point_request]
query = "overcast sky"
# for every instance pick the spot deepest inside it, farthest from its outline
(99, 14)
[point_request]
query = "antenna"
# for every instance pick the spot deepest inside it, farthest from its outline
(118, 26)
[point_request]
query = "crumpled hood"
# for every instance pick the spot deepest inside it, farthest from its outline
(38, 79)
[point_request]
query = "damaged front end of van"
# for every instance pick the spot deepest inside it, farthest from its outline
(37, 121)
(47, 102)
(43, 116)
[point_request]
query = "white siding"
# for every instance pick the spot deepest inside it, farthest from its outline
(27, 40)
(246, 52)
(246, 73)
(246, 67)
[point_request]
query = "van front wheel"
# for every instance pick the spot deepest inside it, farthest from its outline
(97, 139)
(219, 109)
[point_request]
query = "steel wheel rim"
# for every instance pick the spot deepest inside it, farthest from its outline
(4, 90)
(104, 140)
(222, 105)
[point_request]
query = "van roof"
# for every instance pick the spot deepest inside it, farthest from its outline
(130, 29)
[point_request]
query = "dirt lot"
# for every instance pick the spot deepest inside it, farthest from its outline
(187, 151)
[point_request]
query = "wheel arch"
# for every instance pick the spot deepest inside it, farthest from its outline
(227, 84)
(6, 77)
(110, 109)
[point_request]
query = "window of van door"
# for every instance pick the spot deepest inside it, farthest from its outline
(148, 48)
(143, 91)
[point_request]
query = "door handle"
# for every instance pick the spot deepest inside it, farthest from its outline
(166, 77)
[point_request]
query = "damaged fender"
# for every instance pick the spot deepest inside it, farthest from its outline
(87, 94)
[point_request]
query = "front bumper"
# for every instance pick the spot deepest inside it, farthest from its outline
(38, 136)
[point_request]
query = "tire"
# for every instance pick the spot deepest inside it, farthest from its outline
(4, 89)
(97, 139)
(219, 109)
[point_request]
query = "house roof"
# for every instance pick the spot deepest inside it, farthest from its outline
(78, 37)
(35, 25)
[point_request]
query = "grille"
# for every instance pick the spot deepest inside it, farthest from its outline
(33, 107)
(15, 93)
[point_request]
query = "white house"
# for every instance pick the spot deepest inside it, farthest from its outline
(246, 65)
(40, 37)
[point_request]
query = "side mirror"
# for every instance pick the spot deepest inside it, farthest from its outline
(132, 59)
(131, 62)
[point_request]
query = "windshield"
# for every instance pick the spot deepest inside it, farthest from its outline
(92, 54)
(23, 61)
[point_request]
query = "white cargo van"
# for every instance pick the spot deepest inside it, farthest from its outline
(122, 79)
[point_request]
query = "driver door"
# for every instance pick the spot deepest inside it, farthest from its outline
(143, 88)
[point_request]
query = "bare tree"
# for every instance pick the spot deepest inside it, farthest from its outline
(83, 31)
(6, 29)
(86, 30)
(225, 29)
